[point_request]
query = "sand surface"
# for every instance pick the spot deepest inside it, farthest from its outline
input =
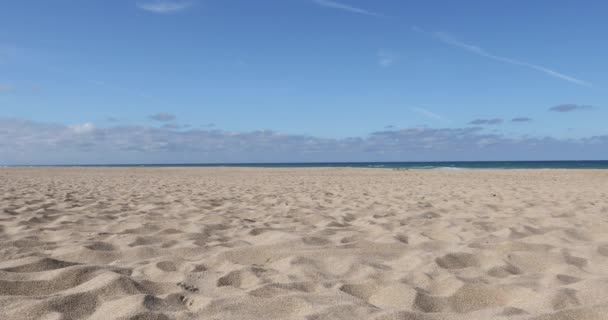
(243, 243)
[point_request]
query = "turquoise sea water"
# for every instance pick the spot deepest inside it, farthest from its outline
(603, 164)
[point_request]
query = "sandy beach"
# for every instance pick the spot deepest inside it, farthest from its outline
(324, 243)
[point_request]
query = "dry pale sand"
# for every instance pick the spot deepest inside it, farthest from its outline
(238, 243)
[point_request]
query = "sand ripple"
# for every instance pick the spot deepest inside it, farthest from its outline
(220, 243)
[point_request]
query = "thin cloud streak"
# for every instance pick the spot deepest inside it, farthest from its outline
(11, 51)
(486, 121)
(127, 90)
(429, 114)
(162, 117)
(446, 38)
(164, 7)
(521, 119)
(106, 84)
(569, 107)
(344, 7)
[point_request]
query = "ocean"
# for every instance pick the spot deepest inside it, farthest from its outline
(598, 164)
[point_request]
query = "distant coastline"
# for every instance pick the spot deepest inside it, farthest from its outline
(582, 164)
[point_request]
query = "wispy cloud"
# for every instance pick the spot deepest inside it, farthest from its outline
(126, 90)
(429, 114)
(569, 107)
(164, 6)
(76, 74)
(446, 38)
(486, 121)
(163, 117)
(344, 7)
(521, 119)
(386, 58)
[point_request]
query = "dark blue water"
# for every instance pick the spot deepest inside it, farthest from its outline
(602, 164)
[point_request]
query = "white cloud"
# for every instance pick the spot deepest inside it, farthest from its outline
(446, 38)
(164, 6)
(83, 128)
(28, 142)
(344, 7)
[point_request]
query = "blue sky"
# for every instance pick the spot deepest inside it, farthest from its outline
(320, 72)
